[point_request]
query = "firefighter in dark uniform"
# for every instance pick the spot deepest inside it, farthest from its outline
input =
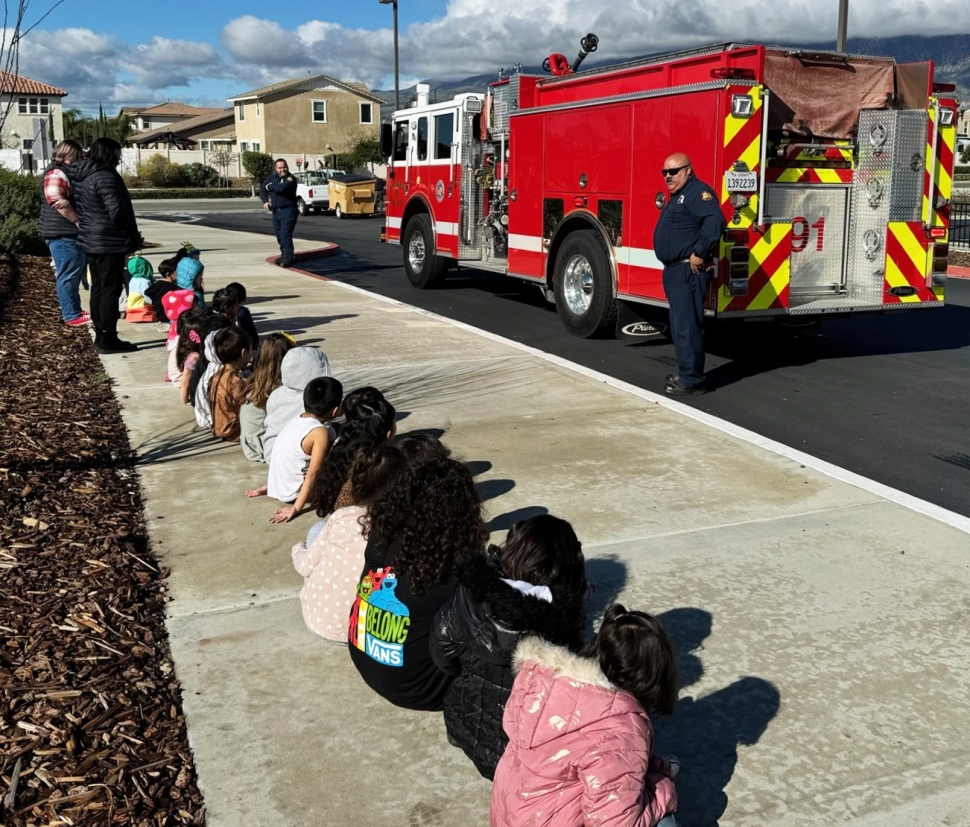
(278, 194)
(685, 240)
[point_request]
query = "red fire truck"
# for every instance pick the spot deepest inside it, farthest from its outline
(833, 172)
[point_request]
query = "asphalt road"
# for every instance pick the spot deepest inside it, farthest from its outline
(885, 396)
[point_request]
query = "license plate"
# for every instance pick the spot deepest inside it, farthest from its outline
(741, 182)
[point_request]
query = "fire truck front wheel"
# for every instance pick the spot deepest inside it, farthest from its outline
(584, 286)
(423, 267)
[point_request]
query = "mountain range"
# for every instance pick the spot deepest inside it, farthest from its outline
(950, 54)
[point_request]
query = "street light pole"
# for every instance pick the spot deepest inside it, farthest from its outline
(843, 25)
(397, 85)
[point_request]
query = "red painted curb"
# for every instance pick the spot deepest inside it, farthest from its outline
(329, 249)
(955, 272)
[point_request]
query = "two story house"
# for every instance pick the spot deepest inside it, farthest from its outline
(170, 114)
(31, 108)
(310, 118)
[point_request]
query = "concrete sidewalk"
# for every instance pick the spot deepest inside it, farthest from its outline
(822, 629)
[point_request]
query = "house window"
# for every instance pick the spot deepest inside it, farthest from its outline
(243, 146)
(204, 145)
(366, 112)
(33, 106)
(255, 146)
(28, 144)
(146, 123)
(257, 109)
(319, 111)
(241, 111)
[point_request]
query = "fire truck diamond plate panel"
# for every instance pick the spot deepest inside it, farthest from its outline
(906, 186)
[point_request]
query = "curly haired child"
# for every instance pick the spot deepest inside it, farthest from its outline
(428, 519)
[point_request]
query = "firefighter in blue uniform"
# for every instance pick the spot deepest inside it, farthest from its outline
(278, 194)
(685, 240)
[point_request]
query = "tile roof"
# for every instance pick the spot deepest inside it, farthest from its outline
(182, 127)
(170, 108)
(11, 84)
(305, 84)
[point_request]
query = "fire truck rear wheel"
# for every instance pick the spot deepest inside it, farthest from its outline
(583, 286)
(423, 267)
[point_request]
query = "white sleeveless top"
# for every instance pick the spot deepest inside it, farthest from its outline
(288, 462)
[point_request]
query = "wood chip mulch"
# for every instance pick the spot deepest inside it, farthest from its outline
(91, 724)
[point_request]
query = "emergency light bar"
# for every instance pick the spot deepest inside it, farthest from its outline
(732, 72)
(944, 87)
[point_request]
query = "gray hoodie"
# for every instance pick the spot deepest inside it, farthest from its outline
(203, 414)
(300, 365)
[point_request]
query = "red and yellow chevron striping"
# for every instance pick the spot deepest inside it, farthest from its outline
(808, 175)
(769, 273)
(742, 142)
(942, 184)
(908, 261)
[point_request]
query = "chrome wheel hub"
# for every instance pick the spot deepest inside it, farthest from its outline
(578, 285)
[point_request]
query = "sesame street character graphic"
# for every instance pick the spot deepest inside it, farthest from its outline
(379, 621)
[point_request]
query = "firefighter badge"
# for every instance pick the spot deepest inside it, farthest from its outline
(706, 196)
(439, 191)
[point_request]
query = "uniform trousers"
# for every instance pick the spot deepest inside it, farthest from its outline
(685, 291)
(284, 222)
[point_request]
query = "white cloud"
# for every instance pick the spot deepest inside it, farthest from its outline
(473, 37)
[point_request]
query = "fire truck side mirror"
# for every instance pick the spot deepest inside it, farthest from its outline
(387, 140)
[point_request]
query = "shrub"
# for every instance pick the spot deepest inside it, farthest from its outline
(258, 164)
(152, 195)
(160, 172)
(20, 214)
(199, 175)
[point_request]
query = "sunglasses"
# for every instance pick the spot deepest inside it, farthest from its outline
(670, 173)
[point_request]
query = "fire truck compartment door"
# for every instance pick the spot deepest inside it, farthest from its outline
(819, 218)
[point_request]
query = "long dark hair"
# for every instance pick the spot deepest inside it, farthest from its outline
(634, 652)
(432, 512)
(369, 421)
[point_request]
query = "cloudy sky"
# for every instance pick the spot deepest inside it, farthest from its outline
(129, 53)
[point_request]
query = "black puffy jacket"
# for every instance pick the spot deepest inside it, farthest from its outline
(474, 637)
(104, 209)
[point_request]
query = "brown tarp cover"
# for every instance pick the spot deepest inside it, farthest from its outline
(912, 85)
(822, 95)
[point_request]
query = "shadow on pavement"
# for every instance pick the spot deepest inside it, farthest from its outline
(503, 522)
(705, 733)
(607, 577)
(166, 448)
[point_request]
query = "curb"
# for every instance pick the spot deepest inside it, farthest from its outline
(955, 272)
(329, 249)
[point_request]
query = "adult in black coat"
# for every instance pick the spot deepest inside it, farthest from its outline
(476, 632)
(108, 234)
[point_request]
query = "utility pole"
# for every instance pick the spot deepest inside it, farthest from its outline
(843, 25)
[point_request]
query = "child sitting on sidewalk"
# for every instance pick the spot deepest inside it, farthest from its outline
(191, 329)
(175, 303)
(331, 565)
(227, 388)
(164, 284)
(266, 378)
(580, 737)
(138, 307)
(300, 449)
(299, 366)
(188, 276)
(243, 317)
(534, 585)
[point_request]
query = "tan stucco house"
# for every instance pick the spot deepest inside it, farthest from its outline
(313, 117)
(28, 102)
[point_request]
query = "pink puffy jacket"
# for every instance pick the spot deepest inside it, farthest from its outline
(579, 749)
